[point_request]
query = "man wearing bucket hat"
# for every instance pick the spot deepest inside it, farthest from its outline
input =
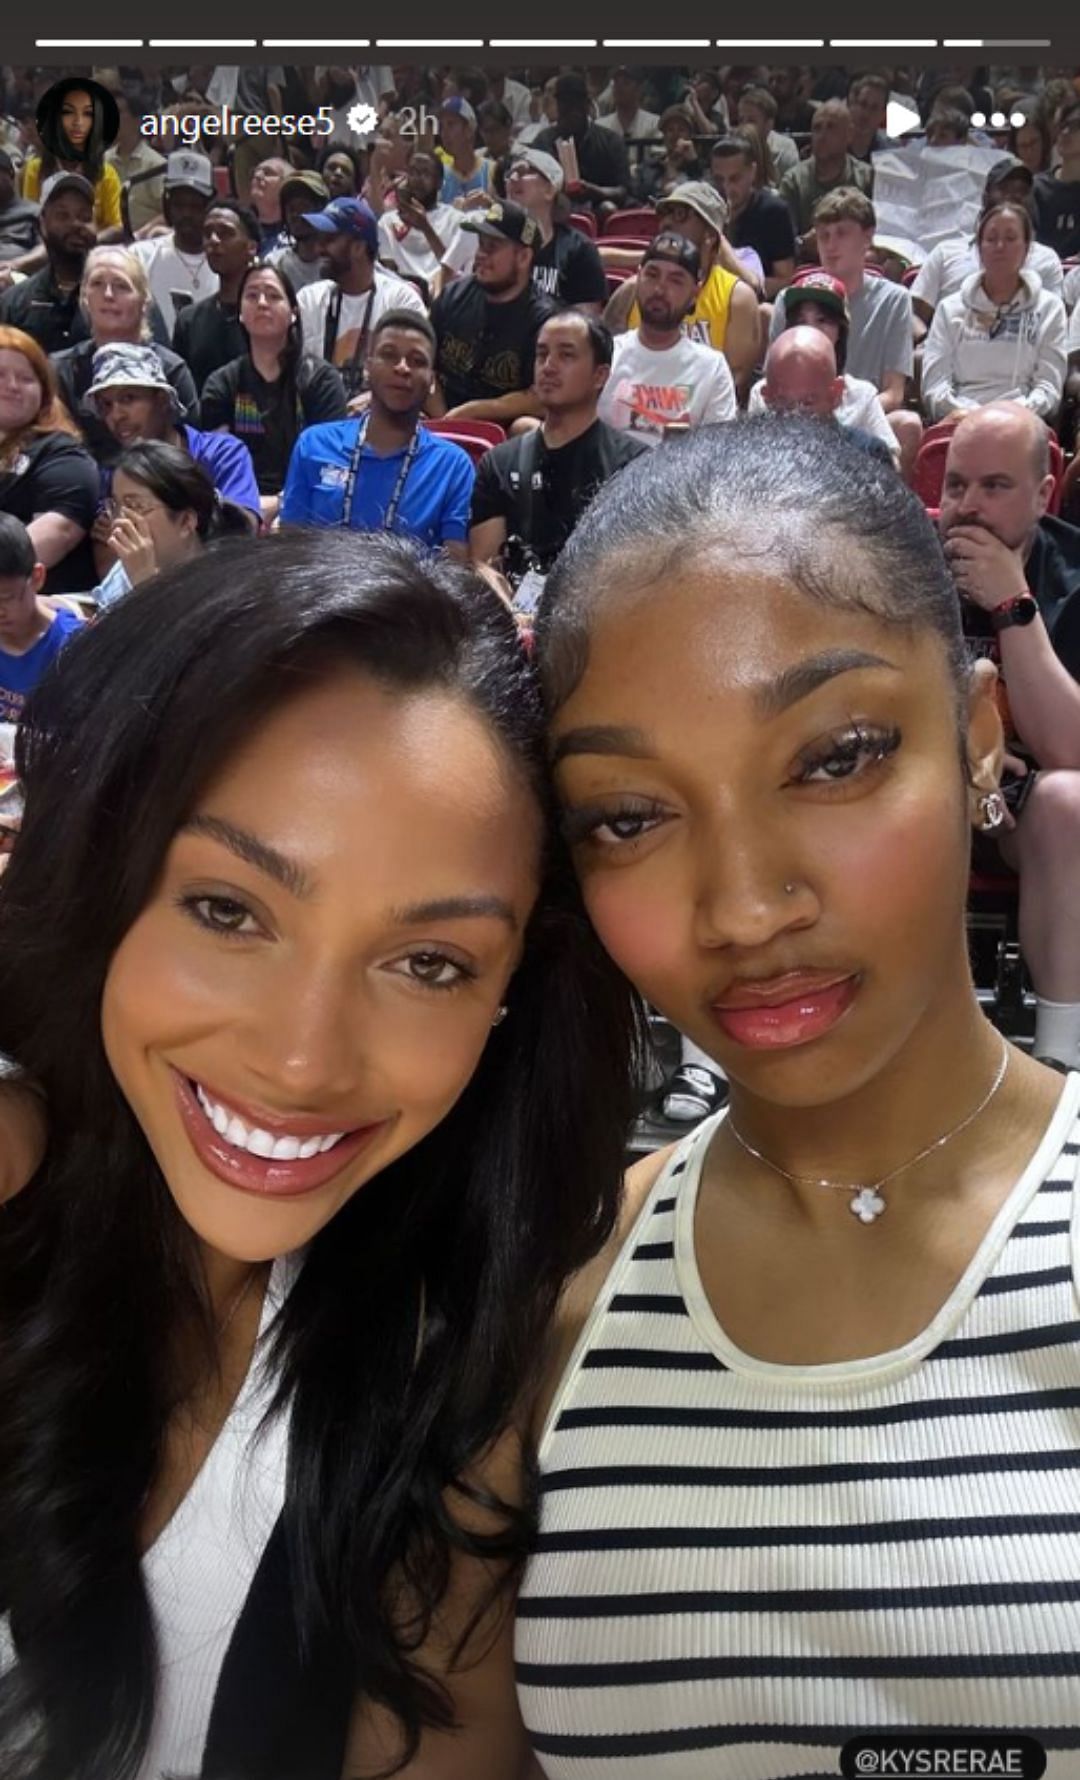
(725, 315)
(486, 325)
(136, 401)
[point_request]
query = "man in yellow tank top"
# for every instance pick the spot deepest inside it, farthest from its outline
(725, 315)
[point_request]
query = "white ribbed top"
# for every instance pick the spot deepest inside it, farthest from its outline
(200, 1568)
(741, 1565)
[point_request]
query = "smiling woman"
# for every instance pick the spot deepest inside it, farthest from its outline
(295, 1180)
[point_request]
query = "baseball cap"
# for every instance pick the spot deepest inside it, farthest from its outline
(132, 367)
(676, 249)
(306, 181)
(544, 164)
(699, 197)
(62, 182)
(1009, 167)
(504, 221)
(817, 286)
(183, 168)
(460, 107)
(347, 216)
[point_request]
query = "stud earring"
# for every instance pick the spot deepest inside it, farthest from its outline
(790, 889)
(500, 1016)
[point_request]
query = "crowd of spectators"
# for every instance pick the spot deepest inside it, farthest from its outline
(461, 324)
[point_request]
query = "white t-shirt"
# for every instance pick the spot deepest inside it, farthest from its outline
(950, 262)
(1072, 341)
(643, 123)
(410, 252)
(356, 313)
(175, 278)
(1072, 289)
(647, 390)
(860, 405)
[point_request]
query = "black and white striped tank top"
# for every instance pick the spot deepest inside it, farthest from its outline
(742, 1565)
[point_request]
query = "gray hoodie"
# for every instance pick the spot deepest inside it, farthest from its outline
(979, 352)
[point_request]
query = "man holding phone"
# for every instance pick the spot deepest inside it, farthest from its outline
(1017, 571)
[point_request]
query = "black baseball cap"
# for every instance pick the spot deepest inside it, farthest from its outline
(1009, 167)
(505, 221)
(677, 250)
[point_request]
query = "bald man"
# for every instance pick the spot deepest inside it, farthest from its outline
(801, 378)
(1017, 570)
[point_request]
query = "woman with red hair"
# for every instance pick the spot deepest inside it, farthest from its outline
(47, 479)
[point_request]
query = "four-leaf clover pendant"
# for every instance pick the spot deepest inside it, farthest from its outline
(867, 1205)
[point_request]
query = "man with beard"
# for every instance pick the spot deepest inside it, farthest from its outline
(46, 305)
(531, 492)
(208, 334)
(660, 379)
(339, 313)
(176, 263)
(486, 325)
(416, 238)
(1017, 571)
(384, 471)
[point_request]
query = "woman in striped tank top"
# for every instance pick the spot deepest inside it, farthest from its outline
(809, 1469)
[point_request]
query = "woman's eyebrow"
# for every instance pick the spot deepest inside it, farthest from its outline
(603, 738)
(253, 851)
(804, 677)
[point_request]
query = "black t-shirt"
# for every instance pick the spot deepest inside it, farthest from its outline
(542, 495)
(1052, 572)
(1057, 214)
(208, 336)
(601, 156)
(766, 226)
(569, 269)
(267, 416)
(41, 309)
(53, 474)
(486, 349)
(74, 373)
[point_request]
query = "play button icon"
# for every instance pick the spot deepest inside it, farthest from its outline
(901, 119)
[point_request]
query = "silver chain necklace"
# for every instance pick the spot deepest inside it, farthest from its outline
(867, 1203)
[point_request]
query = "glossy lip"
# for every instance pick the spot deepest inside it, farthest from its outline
(782, 1024)
(255, 1174)
(776, 991)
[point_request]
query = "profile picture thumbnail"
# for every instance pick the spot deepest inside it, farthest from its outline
(77, 120)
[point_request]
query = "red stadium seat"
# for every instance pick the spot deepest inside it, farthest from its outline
(910, 275)
(615, 278)
(222, 182)
(474, 436)
(639, 224)
(585, 222)
(632, 243)
(929, 473)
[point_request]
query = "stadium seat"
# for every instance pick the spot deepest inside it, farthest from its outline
(615, 278)
(474, 436)
(585, 222)
(222, 182)
(639, 224)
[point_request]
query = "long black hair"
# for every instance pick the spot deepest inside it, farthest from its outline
(479, 1224)
(293, 350)
(173, 477)
(57, 150)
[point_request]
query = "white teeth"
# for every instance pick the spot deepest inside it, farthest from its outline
(262, 1143)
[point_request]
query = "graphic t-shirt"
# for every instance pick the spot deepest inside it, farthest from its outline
(176, 279)
(687, 384)
(269, 416)
(569, 270)
(19, 674)
(486, 350)
(408, 250)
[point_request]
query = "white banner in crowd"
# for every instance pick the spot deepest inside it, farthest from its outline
(926, 195)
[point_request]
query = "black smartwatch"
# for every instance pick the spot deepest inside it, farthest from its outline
(1023, 610)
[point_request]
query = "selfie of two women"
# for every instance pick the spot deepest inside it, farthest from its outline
(360, 1411)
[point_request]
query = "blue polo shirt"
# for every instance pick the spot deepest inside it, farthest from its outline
(19, 674)
(434, 507)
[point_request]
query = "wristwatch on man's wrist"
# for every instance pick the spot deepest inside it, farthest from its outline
(1021, 610)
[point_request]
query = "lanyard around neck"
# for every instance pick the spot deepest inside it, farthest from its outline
(407, 461)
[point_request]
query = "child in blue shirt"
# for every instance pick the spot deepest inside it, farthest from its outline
(32, 632)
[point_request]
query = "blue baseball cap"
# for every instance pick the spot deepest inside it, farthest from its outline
(347, 216)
